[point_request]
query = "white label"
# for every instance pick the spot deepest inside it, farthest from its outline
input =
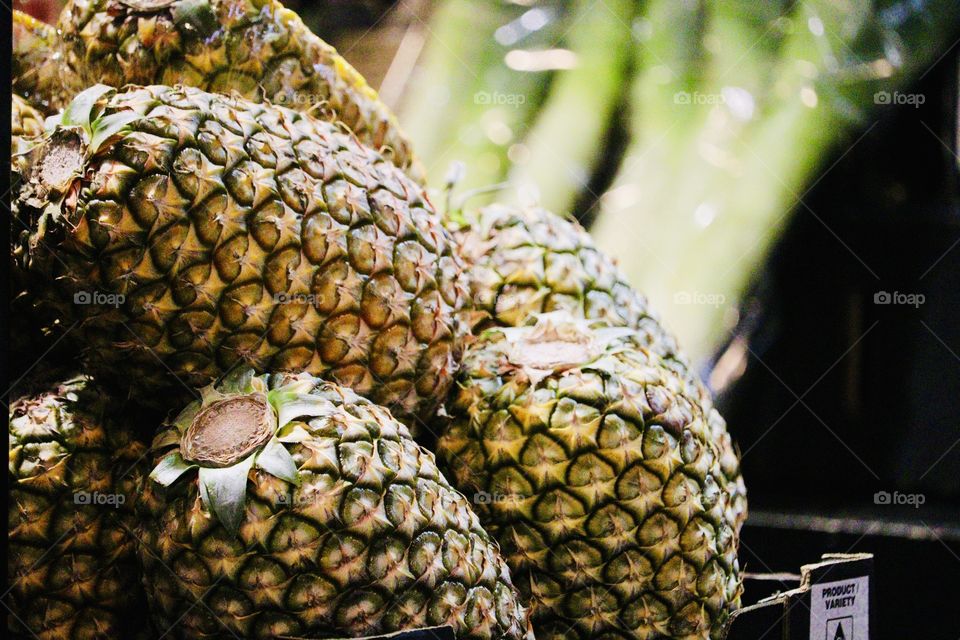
(840, 610)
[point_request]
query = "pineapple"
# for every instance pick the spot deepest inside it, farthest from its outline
(526, 260)
(29, 337)
(187, 232)
(284, 506)
(74, 471)
(25, 123)
(592, 463)
(257, 48)
(38, 70)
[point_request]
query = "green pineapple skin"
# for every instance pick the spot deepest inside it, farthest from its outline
(256, 48)
(213, 232)
(372, 540)
(74, 469)
(526, 260)
(602, 480)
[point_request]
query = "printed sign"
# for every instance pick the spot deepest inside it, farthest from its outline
(840, 610)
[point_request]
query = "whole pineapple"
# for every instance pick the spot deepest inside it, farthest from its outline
(284, 506)
(257, 48)
(526, 260)
(38, 70)
(187, 232)
(593, 465)
(73, 474)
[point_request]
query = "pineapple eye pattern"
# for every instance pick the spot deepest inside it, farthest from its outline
(237, 233)
(259, 50)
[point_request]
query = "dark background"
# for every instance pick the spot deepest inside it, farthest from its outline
(886, 414)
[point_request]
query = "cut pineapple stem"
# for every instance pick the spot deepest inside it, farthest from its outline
(229, 430)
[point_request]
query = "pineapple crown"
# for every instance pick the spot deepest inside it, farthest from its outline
(57, 159)
(83, 117)
(237, 425)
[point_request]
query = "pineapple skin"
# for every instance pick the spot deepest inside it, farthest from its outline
(527, 260)
(38, 70)
(256, 48)
(30, 335)
(72, 561)
(217, 231)
(605, 487)
(373, 540)
(25, 122)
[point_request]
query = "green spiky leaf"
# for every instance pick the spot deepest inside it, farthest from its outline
(300, 405)
(237, 381)
(226, 492)
(204, 497)
(52, 122)
(277, 461)
(185, 418)
(106, 127)
(170, 469)
(80, 108)
(294, 431)
(166, 439)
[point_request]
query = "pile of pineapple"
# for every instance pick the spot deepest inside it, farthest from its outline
(268, 391)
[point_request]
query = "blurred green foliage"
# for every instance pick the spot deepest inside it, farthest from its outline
(728, 110)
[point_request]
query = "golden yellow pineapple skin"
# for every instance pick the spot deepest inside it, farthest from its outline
(256, 48)
(215, 232)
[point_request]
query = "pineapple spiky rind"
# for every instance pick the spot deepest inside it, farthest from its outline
(187, 232)
(525, 260)
(602, 481)
(25, 122)
(74, 470)
(321, 517)
(32, 334)
(256, 48)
